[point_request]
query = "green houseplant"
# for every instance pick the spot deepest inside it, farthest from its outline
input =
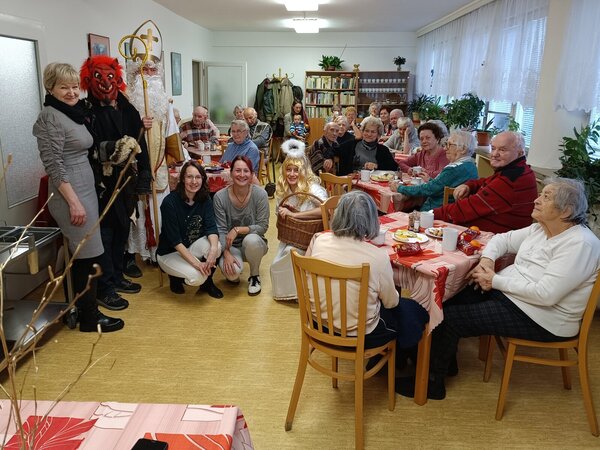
(577, 161)
(415, 105)
(399, 61)
(432, 109)
(464, 112)
(330, 62)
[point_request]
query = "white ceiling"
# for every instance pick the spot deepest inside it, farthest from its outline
(340, 15)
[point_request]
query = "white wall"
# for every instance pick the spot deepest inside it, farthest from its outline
(296, 53)
(61, 26)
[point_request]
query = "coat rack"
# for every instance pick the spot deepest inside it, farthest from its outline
(279, 78)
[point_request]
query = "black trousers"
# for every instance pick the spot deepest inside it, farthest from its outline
(80, 270)
(475, 313)
(114, 240)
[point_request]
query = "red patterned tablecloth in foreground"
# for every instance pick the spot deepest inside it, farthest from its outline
(432, 276)
(118, 426)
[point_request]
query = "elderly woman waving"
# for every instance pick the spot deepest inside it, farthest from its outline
(461, 168)
(542, 296)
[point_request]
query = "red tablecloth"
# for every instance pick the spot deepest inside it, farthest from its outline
(216, 180)
(118, 426)
(386, 200)
(433, 276)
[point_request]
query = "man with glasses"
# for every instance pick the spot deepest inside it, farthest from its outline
(241, 145)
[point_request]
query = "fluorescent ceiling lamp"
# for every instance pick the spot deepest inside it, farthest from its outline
(301, 5)
(306, 25)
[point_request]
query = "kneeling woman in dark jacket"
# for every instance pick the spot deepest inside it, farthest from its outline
(189, 242)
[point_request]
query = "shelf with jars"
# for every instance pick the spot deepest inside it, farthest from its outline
(386, 87)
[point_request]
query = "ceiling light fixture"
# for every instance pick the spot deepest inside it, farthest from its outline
(306, 25)
(301, 5)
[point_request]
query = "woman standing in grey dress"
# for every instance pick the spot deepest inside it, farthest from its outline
(63, 143)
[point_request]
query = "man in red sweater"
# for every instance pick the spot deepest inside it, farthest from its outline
(502, 201)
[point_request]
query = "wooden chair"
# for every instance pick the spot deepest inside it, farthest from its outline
(321, 275)
(448, 191)
(579, 343)
(263, 163)
(327, 209)
(336, 185)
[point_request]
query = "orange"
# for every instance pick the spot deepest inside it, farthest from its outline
(475, 243)
(474, 228)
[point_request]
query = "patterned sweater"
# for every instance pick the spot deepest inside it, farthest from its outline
(498, 203)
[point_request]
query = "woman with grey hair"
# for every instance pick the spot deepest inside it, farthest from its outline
(405, 138)
(460, 169)
(367, 153)
(354, 223)
(238, 114)
(541, 296)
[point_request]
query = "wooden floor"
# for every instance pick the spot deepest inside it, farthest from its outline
(243, 350)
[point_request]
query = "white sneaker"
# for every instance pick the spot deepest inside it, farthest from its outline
(254, 285)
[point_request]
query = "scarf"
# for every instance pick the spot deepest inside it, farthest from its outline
(76, 113)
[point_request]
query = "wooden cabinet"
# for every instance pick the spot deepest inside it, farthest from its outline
(323, 89)
(386, 87)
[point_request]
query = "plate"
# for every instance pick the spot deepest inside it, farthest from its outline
(214, 168)
(434, 232)
(409, 236)
(382, 176)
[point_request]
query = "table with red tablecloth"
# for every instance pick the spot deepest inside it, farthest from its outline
(386, 200)
(118, 426)
(432, 277)
(217, 179)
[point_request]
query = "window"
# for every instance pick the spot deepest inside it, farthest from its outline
(500, 112)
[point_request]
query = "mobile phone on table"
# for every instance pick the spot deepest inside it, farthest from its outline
(150, 444)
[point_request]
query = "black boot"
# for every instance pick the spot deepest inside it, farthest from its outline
(176, 285)
(209, 287)
(130, 268)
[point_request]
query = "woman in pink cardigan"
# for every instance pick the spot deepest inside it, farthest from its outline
(432, 157)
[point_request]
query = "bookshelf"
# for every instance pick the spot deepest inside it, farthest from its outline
(323, 89)
(392, 88)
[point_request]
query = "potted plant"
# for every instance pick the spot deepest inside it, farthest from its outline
(399, 61)
(431, 110)
(415, 105)
(484, 135)
(330, 63)
(577, 163)
(465, 112)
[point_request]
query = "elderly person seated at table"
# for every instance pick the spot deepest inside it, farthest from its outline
(461, 168)
(323, 149)
(431, 158)
(346, 141)
(385, 116)
(238, 114)
(259, 132)
(405, 139)
(502, 201)
(295, 177)
(198, 131)
(367, 152)
(354, 222)
(542, 296)
(241, 145)
(395, 114)
(350, 113)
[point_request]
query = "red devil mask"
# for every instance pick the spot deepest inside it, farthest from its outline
(102, 77)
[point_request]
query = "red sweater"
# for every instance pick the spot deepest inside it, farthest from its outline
(498, 203)
(433, 165)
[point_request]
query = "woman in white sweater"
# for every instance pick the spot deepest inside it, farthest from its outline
(542, 296)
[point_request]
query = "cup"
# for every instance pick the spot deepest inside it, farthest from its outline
(426, 219)
(365, 175)
(416, 170)
(207, 146)
(449, 239)
(416, 181)
(206, 159)
(380, 238)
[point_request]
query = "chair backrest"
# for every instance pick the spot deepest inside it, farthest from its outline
(588, 314)
(327, 209)
(184, 121)
(448, 191)
(329, 285)
(336, 185)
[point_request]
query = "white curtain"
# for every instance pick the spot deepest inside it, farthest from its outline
(578, 81)
(495, 51)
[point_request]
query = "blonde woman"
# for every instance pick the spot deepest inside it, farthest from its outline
(296, 176)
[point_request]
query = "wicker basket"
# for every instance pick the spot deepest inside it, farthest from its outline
(298, 232)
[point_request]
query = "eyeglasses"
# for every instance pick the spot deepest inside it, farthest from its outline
(193, 177)
(449, 144)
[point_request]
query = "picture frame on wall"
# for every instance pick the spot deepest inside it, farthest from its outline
(176, 73)
(98, 45)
